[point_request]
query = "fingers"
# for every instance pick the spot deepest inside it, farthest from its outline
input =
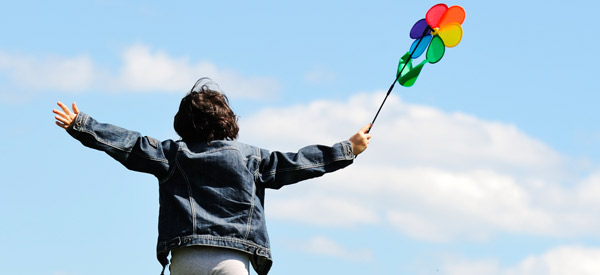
(65, 117)
(365, 128)
(365, 131)
(65, 120)
(75, 109)
(59, 113)
(64, 108)
(361, 139)
(61, 125)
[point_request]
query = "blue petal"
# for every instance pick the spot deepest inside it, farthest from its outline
(422, 43)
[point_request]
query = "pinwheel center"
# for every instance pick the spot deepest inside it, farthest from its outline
(434, 31)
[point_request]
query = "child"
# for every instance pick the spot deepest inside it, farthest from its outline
(211, 187)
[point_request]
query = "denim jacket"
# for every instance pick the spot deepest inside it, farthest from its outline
(211, 194)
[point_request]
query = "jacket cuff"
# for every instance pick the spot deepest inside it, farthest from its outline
(75, 128)
(347, 147)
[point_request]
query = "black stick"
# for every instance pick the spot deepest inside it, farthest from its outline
(398, 77)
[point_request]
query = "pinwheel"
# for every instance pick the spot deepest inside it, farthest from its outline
(440, 28)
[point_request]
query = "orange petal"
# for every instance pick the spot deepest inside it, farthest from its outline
(454, 14)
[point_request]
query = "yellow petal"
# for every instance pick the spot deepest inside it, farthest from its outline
(451, 34)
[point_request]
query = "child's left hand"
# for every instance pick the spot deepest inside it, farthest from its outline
(65, 118)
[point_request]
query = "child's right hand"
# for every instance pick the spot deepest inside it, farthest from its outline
(65, 118)
(360, 140)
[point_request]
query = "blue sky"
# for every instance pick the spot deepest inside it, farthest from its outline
(488, 165)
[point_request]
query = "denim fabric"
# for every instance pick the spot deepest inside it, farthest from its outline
(211, 194)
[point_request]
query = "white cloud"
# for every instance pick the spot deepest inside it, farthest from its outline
(438, 204)
(333, 211)
(452, 140)
(562, 260)
(572, 260)
(50, 72)
(459, 266)
(429, 174)
(321, 245)
(142, 70)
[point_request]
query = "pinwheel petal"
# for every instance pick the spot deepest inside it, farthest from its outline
(451, 34)
(454, 14)
(402, 68)
(409, 78)
(434, 14)
(420, 45)
(436, 50)
(420, 29)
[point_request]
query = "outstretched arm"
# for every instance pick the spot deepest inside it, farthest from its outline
(278, 169)
(130, 148)
(360, 140)
(65, 118)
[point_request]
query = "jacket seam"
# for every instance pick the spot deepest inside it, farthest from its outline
(168, 176)
(191, 196)
(211, 150)
(166, 245)
(251, 212)
(252, 206)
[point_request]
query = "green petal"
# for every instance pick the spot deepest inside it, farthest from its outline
(409, 76)
(436, 50)
(402, 68)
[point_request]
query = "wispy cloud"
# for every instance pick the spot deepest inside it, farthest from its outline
(142, 70)
(335, 211)
(429, 174)
(49, 72)
(573, 260)
(320, 245)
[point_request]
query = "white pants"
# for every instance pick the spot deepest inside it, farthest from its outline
(204, 260)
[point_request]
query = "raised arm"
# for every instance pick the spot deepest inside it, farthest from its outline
(279, 169)
(130, 148)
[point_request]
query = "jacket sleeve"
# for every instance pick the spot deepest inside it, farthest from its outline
(134, 151)
(278, 169)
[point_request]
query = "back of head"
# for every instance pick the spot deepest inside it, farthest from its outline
(204, 115)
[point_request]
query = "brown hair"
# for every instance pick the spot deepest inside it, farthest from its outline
(205, 115)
